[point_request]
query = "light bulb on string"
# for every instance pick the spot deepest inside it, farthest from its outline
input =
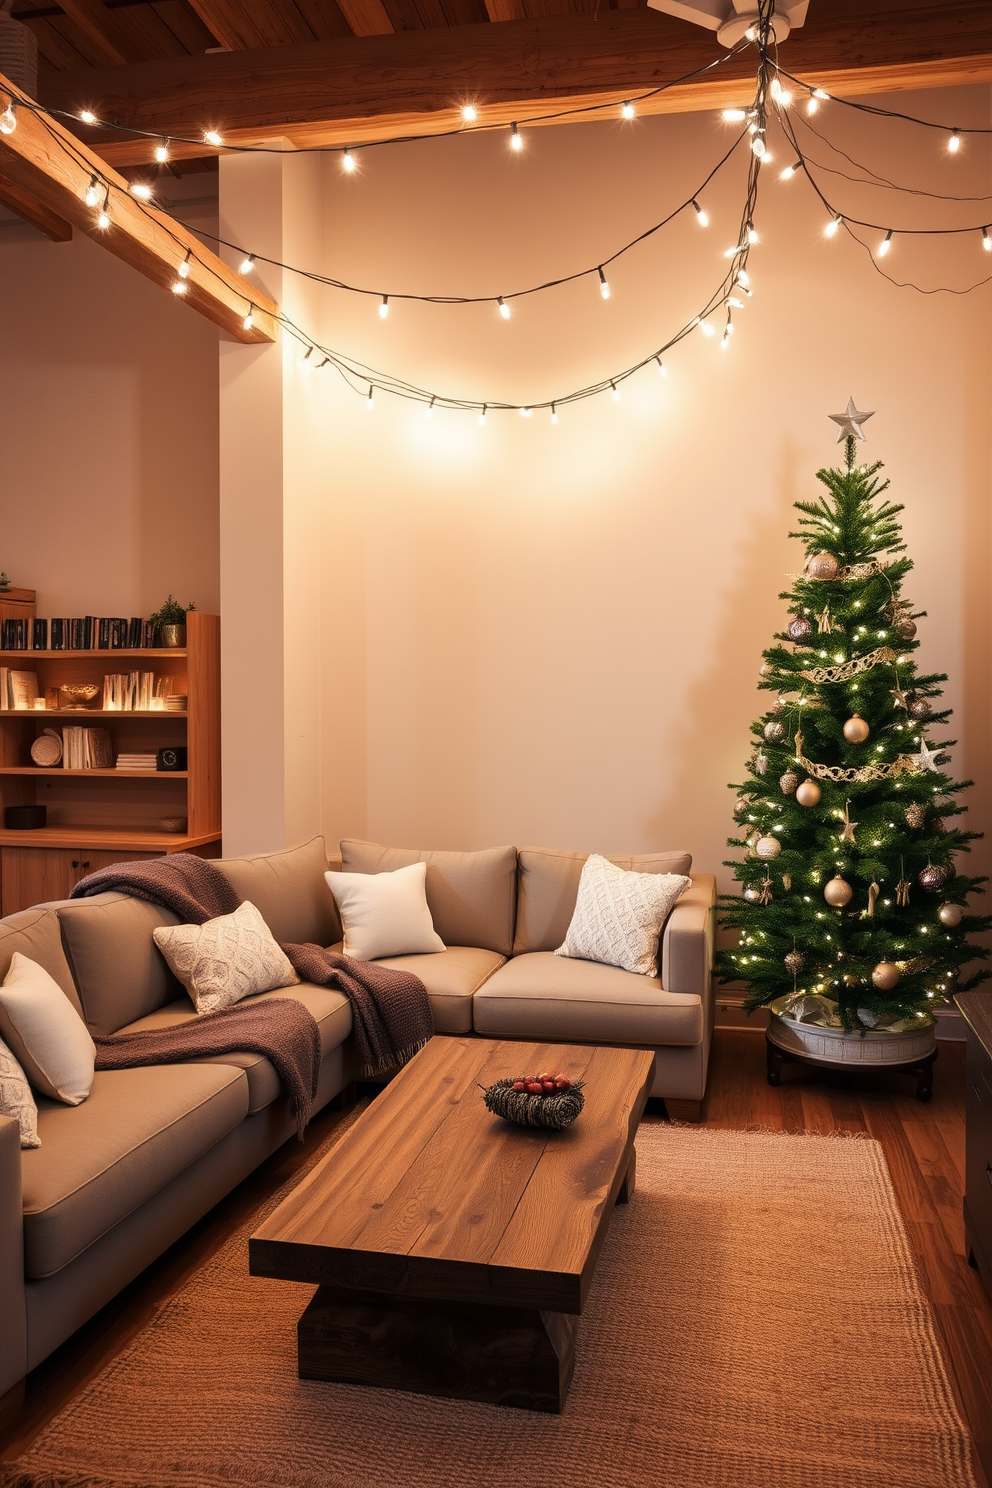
(249, 319)
(8, 119)
(604, 287)
(211, 137)
(429, 410)
(525, 412)
(954, 143)
(758, 146)
(247, 264)
(161, 152)
(348, 162)
(142, 190)
(790, 171)
(103, 219)
(752, 233)
(516, 143)
(87, 116)
(504, 308)
(812, 103)
(554, 414)
(737, 304)
(183, 270)
(885, 244)
(662, 369)
(470, 113)
(832, 226)
(370, 400)
(706, 328)
(701, 216)
(627, 110)
(305, 361)
(616, 391)
(384, 307)
(180, 287)
(734, 115)
(92, 192)
(986, 240)
(743, 278)
(482, 416)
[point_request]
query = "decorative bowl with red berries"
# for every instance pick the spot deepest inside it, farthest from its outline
(548, 1099)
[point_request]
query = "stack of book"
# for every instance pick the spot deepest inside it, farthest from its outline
(176, 702)
(86, 749)
(17, 689)
(128, 692)
(137, 762)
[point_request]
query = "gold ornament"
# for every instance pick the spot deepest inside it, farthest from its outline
(788, 783)
(794, 963)
(822, 566)
(844, 670)
(741, 804)
(899, 697)
(774, 731)
(838, 892)
(902, 887)
(856, 730)
(906, 626)
(847, 835)
(765, 670)
(768, 847)
(950, 915)
(873, 894)
(850, 980)
(787, 881)
(765, 896)
(809, 793)
(885, 976)
(752, 894)
(824, 622)
(916, 815)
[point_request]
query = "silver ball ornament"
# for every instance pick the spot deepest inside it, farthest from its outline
(838, 892)
(809, 793)
(800, 629)
(932, 877)
(752, 894)
(822, 566)
(906, 627)
(794, 963)
(768, 847)
(856, 730)
(920, 708)
(950, 915)
(774, 731)
(788, 783)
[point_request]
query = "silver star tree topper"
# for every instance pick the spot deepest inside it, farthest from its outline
(850, 421)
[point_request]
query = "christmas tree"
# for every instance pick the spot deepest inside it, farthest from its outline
(853, 912)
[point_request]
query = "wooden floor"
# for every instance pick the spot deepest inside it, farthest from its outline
(924, 1146)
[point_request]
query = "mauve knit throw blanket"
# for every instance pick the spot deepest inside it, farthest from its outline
(391, 1014)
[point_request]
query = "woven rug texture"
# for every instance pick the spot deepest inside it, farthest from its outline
(755, 1320)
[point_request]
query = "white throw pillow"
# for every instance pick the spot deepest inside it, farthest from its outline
(45, 1033)
(618, 915)
(385, 914)
(16, 1099)
(225, 959)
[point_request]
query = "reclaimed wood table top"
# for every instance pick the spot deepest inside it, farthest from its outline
(430, 1195)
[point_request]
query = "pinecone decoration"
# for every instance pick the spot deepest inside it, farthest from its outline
(933, 877)
(788, 783)
(794, 963)
(916, 815)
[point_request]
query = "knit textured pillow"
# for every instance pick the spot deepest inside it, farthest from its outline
(16, 1099)
(618, 915)
(225, 959)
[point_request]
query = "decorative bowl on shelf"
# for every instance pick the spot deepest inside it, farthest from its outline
(46, 750)
(172, 823)
(536, 1100)
(79, 694)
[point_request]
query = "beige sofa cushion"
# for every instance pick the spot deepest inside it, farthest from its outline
(36, 933)
(331, 1012)
(539, 995)
(289, 891)
(471, 895)
(548, 886)
(100, 1161)
(452, 977)
(120, 973)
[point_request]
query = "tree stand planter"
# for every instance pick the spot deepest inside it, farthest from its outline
(912, 1052)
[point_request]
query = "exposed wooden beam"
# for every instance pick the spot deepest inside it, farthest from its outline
(33, 212)
(93, 17)
(370, 87)
(253, 23)
(43, 162)
(366, 17)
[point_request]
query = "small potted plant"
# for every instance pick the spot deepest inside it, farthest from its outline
(170, 622)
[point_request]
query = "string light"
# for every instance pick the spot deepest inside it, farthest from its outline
(87, 117)
(370, 400)
(781, 95)
(92, 192)
(701, 216)
(604, 287)
(790, 171)
(183, 270)
(616, 391)
(305, 360)
(526, 412)
(662, 369)
(885, 244)
(504, 308)
(516, 143)
(986, 240)
(758, 146)
(103, 220)
(734, 115)
(470, 113)
(161, 152)
(8, 119)
(384, 307)
(180, 287)
(706, 328)
(211, 137)
(832, 226)
(554, 414)
(627, 110)
(752, 233)
(743, 278)
(812, 103)
(141, 189)
(249, 319)
(247, 264)
(954, 143)
(429, 410)
(348, 162)
(482, 416)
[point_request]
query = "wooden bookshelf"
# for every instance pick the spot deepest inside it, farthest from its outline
(98, 817)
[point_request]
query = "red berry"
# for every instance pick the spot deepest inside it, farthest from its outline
(548, 1086)
(545, 1075)
(519, 1085)
(562, 1084)
(535, 1087)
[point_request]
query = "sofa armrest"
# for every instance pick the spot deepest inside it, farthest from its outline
(687, 941)
(13, 1312)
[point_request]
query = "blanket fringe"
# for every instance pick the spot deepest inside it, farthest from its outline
(372, 1072)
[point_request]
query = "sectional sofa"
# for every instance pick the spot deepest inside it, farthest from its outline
(119, 1178)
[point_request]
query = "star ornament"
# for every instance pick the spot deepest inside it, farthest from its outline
(927, 757)
(850, 421)
(847, 835)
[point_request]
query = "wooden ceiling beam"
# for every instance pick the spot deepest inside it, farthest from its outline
(35, 213)
(370, 87)
(100, 25)
(42, 162)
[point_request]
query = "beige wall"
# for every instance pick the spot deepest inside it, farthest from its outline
(542, 634)
(108, 433)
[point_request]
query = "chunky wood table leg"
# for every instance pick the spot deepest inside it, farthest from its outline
(630, 1178)
(466, 1351)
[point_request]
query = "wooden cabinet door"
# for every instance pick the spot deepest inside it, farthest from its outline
(86, 860)
(33, 875)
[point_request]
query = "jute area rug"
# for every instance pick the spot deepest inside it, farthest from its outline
(755, 1321)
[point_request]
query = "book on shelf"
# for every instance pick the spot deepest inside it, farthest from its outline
(136, 761)
(39, 635)
(86, 749)
(18, 690)
(14, 635)
(128, 692)
(79, 633)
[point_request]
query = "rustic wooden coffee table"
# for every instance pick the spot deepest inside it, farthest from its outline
(453, 1252)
